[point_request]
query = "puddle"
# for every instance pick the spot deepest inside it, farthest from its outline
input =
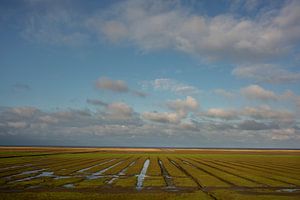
(167, 177)
(121, 173)
(11, 167)
(288, 190)
(25, 173)
(97, 174)
(85, 169)
(33, 187)
(43, 174)
(61, 177)
(70, 185)
(142, 175)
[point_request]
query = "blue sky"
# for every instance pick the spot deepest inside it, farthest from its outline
(150, 73)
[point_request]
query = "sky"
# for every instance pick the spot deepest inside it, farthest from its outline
(151, 73)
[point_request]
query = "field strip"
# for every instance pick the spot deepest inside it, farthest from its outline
(43, 174)
(137, 167)
(154, 168)
(17, 164)
(285, 166)
(172, 169)
(274, 167)
(14, 168)
(208, 172)
(15, 172)
(87, 168)
(277, 165)
(230, 168)
(121, 173)
(48, 154)
(141, 176)
(167, 177)
(274, 172)
(63, 170)
(193, 178)
(231, 172)
(115, 170)
(257, 173)
(98, 173)
(61, 164)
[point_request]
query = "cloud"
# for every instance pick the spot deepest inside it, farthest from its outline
(285, 134)
(255, 92)
(119, 124)
(54, 23)
(183, 106)
(259, 114)
(17, 125)
(119, 110)
(180, 110)
(224, 93)
(162, 117)
(113, 85)
(96, 102)
(119, 86)
(152, 25)
(221, 114)
(266, 112)
(166, 84)
(48, 119)
(23, 111)
(254, 125)
(266, 73)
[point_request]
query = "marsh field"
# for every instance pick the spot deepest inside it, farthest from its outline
(149, 173)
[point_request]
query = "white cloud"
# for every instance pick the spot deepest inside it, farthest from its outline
(266, 112)
(48, 119)
(17, 125)
(120, 110)
(284, 134)
(155, 25)
(255, 92)
(221, 113)
(151, 25)
(120, 86)
(266, 73)
(174, 86)
(162, 117)
(24, 111)
(180, 107)
(183, 106)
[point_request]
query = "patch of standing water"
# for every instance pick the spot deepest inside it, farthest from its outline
(25, 173)
(120, 173)
(288, 190)
(61, 177)
(43, 174)
(167, 177)
(97, 174)
(85, 169)
(70, 185)
(142, 175)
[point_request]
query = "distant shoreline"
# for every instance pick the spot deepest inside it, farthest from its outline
(141, 147)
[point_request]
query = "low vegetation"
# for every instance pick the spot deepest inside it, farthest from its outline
(66, 173)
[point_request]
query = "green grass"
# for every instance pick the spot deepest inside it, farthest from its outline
(154, 182)
(224, 176)
(106, 196)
